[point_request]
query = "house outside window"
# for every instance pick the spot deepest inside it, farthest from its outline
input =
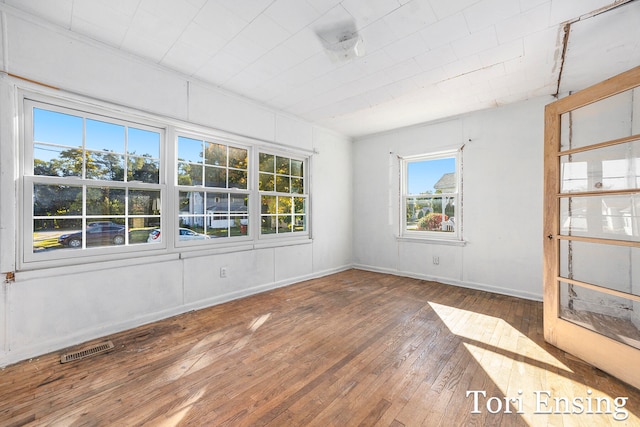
(431, 202)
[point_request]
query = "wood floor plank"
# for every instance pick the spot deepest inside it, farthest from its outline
(353, 348)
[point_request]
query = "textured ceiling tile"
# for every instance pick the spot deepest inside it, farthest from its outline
(445, 31)
(444, 9)
(436, 58)
(410, 18)
(406, 48)
(220, 20)
(475, 42)
(248, 10)
(531, 21)
(292, 15)
(489, 12)
(366, 12)
(502, 53)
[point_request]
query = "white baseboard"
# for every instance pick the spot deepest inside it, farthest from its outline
(453, 282)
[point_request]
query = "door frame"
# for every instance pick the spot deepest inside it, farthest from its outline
(616, 358)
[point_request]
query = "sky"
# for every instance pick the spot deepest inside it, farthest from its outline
(66, 130)
(422, 175)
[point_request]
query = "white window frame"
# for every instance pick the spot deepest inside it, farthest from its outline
(305, 234)
(217, 139)
(28, 102)
(170, 245)
(425, 235)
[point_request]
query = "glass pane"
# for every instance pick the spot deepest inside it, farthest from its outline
(239, 203)
(609, 266)
(432, 176)
(144, 230)
(104, 232)
(57, 128)
(56, 200)
(217, 203)
(104, 136)
(601, 121)
(611, 316)
(283, 184)
(268, 225)
(238, 158)
(284, 224)
(105, 201)
(297, 185)
(266, 182)
(237, 179)
(189, 174)
(608, 217)
(47, 232)
(299, 205)
(189, 150)
(191, 202)
(215, 177)
(144, 202)
(267, 162)
(105, 166)
(282, 165)
(143, 169)
(610, 168)
(297, 167)
(239, 225)
(215, 154)
(268, 204)
(49, 160)
(143, 143)
(300, 223)
(431, 214)
(284, 205)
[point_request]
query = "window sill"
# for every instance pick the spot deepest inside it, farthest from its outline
(431, 241)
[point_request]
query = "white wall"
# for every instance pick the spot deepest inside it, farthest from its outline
(49, 309)
(502, 198)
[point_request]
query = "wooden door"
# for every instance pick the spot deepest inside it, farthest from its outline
(592, 225)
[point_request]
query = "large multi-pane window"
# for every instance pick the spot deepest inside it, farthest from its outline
(283, 194)
(214, 198)
(94, 181)
(430, 197)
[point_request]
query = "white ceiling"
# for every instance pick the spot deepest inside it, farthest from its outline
(425, 59)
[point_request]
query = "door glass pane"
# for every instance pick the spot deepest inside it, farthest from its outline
(609, 266)
(601, 121)
(607, 217)
(614, 317)
(604, 169)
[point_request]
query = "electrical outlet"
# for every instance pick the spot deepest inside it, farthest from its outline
(223, 272)
(436, 260)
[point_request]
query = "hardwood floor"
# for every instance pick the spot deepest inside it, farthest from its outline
(355, 348)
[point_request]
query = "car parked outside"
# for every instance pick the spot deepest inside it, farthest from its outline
(97, 234)
(183, 234)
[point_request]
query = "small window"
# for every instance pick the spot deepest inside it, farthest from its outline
(283, 195)
(431, 197)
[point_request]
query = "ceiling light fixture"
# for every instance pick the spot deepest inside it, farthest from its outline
(341, 41)
(348, 46)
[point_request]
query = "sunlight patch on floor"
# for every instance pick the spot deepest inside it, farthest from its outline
(534, 384)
